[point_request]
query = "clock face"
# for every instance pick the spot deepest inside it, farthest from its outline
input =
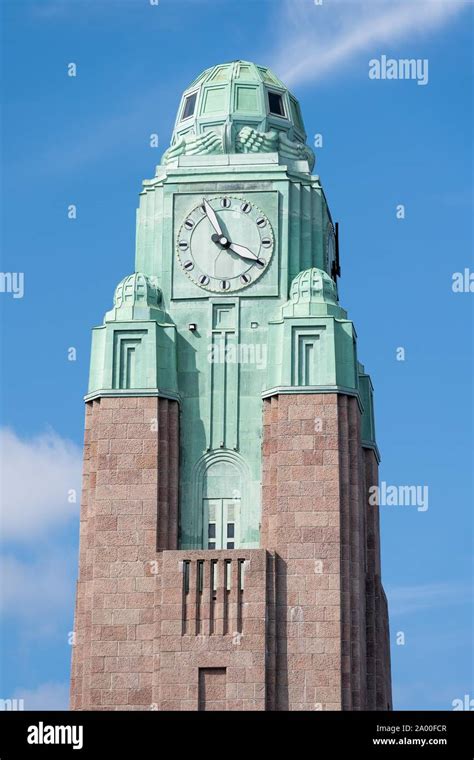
(225, 244)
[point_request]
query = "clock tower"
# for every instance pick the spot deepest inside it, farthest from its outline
(229, 556)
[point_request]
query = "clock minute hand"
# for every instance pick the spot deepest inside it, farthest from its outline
(241, 250)
(210, 213)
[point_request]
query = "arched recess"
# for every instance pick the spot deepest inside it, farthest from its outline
(221, 496)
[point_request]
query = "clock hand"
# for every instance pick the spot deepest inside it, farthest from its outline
(210, 213)
(241, 250)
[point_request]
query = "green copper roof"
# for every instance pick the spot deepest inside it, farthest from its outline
(238, 107)
(136, 297)
(312, 293)
(313, 285)
(134, 350)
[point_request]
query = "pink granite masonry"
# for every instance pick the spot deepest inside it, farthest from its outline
(212, 614)
(129, 511)
(331, 644)
(299, 624)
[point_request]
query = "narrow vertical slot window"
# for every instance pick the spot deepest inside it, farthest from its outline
(227, 587)
(228, 574)
(214, 579)
(199, 590)
(200, 576)
(186, 565)
(184, 612)
(240, 594)
(213, 594)
(241, 574)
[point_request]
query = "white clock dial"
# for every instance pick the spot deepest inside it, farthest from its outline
(225, 244)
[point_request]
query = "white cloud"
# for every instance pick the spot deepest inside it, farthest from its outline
(39, 594)
(406, 600)
(47, 696)
(37, 476)
(316, 40)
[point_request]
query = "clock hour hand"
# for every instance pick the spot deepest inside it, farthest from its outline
(241, 250)
(210, 213)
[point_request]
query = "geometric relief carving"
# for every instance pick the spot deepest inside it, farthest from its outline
(126, 360)
(224, 376)
(306, 357)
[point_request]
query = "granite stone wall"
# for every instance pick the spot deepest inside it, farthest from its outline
(331, 619)
(129, 510)
(299, 624)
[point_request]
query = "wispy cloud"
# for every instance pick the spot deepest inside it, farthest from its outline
(38, 476)
(47, 696)
(316, 40)
(405, 600)
(39, 594)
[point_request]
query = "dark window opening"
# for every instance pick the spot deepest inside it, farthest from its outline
(189, 106)
(275, 101)
(186, 576)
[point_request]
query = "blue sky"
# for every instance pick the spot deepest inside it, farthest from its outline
(85, 141)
